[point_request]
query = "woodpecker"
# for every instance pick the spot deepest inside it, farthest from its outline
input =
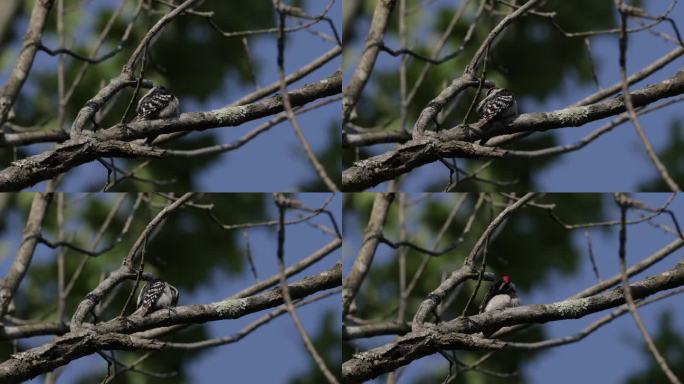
(158, 103)
(155, 295)
(501, 295)
(499, 104)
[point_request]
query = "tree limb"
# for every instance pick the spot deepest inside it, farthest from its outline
(9, 91)
(114, 141)
(364, 258)
(454, 334)
(110, 335)
(457, 142)
(17, 271)
(359, 78)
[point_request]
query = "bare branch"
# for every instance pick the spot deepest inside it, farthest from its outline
(456, 142)
(20, 265)
(287, 299)
(625, 280)
(630, 107)
(108, 142)
(287, 105)
(34, 32)
(454, 334)
(363, 70)
(364, 257)
(109, 335)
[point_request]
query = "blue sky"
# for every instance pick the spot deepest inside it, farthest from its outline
(271, 342)
(614, 162)
(246, 169)
(609, 355)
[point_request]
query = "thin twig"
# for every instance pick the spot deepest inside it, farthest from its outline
(630, 107)
(590, 250)
(285, 289)
(287, 105)
(627, 291)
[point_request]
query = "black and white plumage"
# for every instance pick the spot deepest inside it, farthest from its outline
(499, 104)
(501, 295)
(155, 295)
(158, 103)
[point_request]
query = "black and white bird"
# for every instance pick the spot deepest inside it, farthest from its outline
(158, 103)
(499, 104)
(156, 294)
(500, 295)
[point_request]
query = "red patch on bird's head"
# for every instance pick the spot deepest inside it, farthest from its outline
(506, 279)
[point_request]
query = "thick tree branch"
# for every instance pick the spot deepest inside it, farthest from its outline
(453, 334)
(109, 335)
(248, 329)
(31, 170)
(424, 150)
(31, 137)
(378, 329)
(228, 116)
(456, 142)
(113, 142)
(31, 330)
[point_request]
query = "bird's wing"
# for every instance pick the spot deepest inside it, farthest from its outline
(149, 106)
(481, 104)
(149, 295)
(497, 105)
(490, 293)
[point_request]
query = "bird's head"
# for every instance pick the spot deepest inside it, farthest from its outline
(505, 285)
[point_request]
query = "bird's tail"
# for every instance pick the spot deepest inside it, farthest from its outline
(141, 311)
